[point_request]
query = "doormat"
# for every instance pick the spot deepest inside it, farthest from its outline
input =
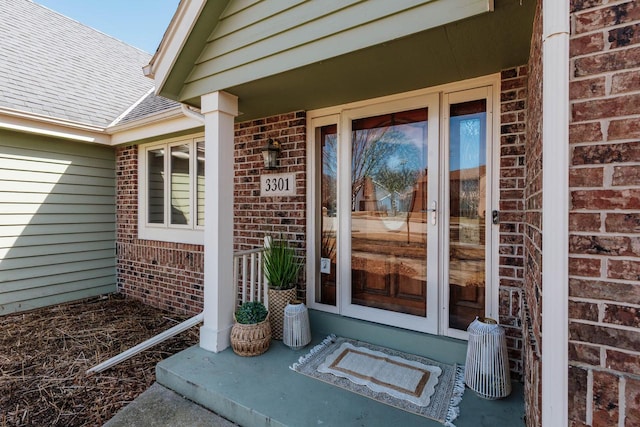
(405, 381)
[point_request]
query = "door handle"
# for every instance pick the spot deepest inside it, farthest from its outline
(434, 212)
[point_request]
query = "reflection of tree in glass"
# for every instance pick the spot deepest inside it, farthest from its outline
(388, 155)
(469, 141)
(469, 198)
(329, 175)
(369, 148)
(396, 181)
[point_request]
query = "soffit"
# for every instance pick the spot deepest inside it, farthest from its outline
(476, 46)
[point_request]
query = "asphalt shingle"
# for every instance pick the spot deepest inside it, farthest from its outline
(55, 66)
(150, 104)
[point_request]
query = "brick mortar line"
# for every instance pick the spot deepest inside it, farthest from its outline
(604, 233)
(605, 31)
(574, 78)
(602, 369)
(603, 301)
(601, 98)
(607, 325)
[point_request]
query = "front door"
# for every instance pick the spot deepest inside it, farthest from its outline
(400, 211)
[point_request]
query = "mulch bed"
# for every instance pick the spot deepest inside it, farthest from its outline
(44, 354)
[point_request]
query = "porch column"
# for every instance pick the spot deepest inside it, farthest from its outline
(219, 110)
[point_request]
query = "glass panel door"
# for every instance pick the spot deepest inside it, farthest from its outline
(327, 136)
(391, 234)
(389, 211)
(468, 132)
(400, 213)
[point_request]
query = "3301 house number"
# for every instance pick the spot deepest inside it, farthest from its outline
(276, 184)
(281, 184)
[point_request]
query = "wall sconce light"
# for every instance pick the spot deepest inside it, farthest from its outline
(270, 154)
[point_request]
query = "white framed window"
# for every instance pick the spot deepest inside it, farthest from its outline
(171, 190)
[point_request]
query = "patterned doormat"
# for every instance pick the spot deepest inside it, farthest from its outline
(405, 381)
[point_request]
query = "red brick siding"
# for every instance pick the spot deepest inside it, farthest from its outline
(604, 286)
(170, 275)
(513, 104)
(533, 230)
(162, 274)
(257, 216)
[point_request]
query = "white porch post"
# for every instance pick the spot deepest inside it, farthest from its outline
(555, 212)
(219, 109)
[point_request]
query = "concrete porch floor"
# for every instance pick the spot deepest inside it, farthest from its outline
(263, 391)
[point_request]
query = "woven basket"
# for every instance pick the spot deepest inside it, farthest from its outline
(278, 300)
(252, 339)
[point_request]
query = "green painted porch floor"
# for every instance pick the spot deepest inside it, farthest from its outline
(263, 391)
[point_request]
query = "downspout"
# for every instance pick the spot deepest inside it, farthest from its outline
(555, 211)
(189, 323)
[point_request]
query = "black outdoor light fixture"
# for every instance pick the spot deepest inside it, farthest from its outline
(270, 154)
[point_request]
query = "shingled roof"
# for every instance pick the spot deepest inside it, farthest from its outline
(148, 105)
(54, 66)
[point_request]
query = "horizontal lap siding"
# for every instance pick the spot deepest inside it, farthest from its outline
(57, 221)
(255, 39)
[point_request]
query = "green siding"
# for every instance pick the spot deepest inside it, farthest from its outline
(279, 82)
(253, 40)
(57, 221)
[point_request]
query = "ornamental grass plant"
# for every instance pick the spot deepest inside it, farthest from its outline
(280, 265)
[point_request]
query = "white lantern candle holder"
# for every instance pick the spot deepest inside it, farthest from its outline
(296, 330)
(487, 365)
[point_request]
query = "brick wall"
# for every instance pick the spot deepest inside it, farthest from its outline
(280, 217)
(532, 318)
(513, 99)
(170, 275)
(604, 241)
(162, 274)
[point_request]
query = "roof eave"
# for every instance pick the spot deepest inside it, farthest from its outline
(21, 121)
(156, 125)
(174, 39)
(172, 113)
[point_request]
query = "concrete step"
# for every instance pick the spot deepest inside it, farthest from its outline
(161, 407)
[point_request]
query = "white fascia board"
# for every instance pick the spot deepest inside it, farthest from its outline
(158, 125)
(555, 212)
(173, 41)
(21, 121)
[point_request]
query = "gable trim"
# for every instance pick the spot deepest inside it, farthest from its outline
(173, 41)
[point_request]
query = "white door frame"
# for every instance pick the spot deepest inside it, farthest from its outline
(399, 102)
(424, 324)
(491, 233)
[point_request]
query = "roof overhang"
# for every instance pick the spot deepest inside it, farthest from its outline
(453, 48)
(161, 125)
(167, 123)
(183, 28)
(21, 121)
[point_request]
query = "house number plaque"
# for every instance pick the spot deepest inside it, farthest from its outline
(279, 184)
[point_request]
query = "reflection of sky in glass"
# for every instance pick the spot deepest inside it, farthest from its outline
(409, 142)
(330, 155)
(467, 147)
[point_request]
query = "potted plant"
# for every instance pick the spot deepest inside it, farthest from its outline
(281, 270)
(251, 332)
